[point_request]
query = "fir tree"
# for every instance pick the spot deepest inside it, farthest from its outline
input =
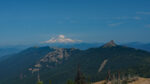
(80, 79)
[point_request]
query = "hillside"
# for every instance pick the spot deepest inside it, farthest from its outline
(138, 81)
(61, 63)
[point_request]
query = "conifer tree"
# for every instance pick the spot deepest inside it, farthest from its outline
(80, 79)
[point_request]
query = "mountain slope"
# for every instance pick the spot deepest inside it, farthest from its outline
(135, 81)
(18, 63)
(119, 59)
(60, 64)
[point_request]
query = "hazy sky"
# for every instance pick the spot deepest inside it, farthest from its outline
(35, 21)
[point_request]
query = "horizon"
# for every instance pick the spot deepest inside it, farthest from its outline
(64, 45)
(31, 23)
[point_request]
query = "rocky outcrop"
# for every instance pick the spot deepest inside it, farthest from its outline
(110, 44)
(58, 56)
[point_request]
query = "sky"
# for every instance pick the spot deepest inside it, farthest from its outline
(39, 21)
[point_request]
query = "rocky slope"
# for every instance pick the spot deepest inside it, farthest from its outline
(137, 81)
(52, 59)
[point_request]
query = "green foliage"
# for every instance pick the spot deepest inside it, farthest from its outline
(40, 82)
(124, 82)
(70, 82)
(50, 82)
